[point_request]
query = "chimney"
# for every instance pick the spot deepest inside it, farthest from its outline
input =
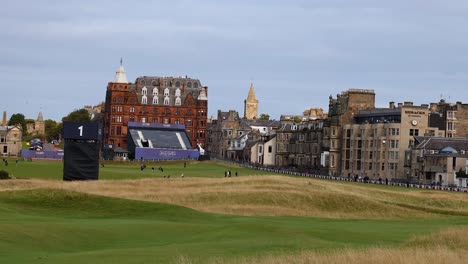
(400, 105)
(391, 105)
(4, 121)
(433, 107)
(408, 103)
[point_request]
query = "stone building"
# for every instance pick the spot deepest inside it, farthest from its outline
(374, 144)
(220, 133)
(228, 135)
(302, 145)
(341, 112)
(10, 138)
(251, 105)
(153, 99)
(37, 127)
(454, 118)
(283, 137)
(436, 160)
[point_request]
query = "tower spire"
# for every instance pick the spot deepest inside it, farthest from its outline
(251, 96)
(251, 104)
(120, 75)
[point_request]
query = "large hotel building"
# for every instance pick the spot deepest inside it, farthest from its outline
(153, 99)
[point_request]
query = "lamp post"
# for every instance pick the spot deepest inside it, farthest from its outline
(385, 158)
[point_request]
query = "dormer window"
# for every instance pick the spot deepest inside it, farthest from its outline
(177, 92)
(166, 100)
(144, 91)
(155, 91)
(177, 101)
(166, 92)
(144, 99)
(155, 100)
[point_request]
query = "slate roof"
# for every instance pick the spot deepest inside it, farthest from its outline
(440, 143)
(261, 122)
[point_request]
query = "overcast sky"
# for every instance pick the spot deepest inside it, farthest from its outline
(57, 56)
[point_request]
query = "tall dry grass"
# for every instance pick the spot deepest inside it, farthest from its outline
(271, 195)
(448, 246)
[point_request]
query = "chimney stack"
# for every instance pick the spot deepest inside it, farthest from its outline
(400, 105)
(4, 120)
(408, 103)
(391, 105)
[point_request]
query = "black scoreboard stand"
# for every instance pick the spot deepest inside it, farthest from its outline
(81, 153)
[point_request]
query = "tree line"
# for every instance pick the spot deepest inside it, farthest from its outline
(53, 129)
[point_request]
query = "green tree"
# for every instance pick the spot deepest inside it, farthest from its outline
(297, 119)
(18, 119)
(81, 115)
(461, 173)
(264, 117)
(52, 129)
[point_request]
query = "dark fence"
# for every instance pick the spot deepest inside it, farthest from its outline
(346, 179)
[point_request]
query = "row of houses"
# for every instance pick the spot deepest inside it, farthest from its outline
(354, 139)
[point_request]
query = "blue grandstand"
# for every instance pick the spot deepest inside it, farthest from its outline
(153, 141)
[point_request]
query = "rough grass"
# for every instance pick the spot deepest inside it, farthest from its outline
(447, 246)
(272, 196)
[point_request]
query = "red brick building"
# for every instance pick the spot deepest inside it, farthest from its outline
(153, 99)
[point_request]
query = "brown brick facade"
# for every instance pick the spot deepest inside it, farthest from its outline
(145, 101)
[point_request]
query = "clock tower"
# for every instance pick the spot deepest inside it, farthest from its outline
(251, 105)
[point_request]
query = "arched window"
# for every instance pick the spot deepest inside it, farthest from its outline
(177, 84)
(155, 91)
(166, 92)
(144, 99)
(177, 92)
(177, 101)
(166, 100)
(155, 100)
(189, 85)
(144, 91)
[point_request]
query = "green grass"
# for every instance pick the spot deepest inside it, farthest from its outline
(56, 226)
(59, 226)
(52, 169)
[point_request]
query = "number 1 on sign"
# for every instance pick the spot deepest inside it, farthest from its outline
(80, 128)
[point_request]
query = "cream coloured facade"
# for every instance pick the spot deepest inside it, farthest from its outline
(264, 152)
(375, 145)
(10, 140)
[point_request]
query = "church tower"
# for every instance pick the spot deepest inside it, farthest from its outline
(251, 105)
